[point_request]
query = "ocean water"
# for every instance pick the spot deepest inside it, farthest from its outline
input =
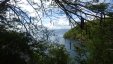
(69, 44)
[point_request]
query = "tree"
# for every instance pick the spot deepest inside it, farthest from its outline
(83, 10)
(58, 55)
(21, 48)
(14, 47)
(20, 41)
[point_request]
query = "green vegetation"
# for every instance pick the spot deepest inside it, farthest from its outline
(19, 48)
(97, 39)
(23, 42)
(73, 33)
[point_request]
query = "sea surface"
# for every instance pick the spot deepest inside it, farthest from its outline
(69, 44)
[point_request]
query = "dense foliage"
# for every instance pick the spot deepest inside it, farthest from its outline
(22, 41)
(97, 39)
(19, 48)
(14, 47)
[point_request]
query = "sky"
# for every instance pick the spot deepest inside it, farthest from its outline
(55, 20)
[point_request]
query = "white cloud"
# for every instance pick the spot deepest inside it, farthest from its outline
(61, 22)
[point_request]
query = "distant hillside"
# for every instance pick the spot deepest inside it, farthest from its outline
(97, 38)
(90, 29)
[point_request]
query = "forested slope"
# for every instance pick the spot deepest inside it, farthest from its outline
(97, 38)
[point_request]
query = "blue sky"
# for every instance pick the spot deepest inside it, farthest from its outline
(56, 20)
